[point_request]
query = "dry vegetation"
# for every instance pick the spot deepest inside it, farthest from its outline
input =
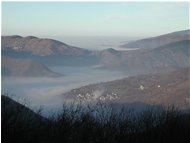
(97, 124)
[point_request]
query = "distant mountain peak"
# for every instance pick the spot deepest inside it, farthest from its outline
(25, 67)
(31, 37)
(13, 36)
(110, 50)
(157, 41)
(39, 46)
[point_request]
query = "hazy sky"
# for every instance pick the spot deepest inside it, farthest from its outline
(93, 18)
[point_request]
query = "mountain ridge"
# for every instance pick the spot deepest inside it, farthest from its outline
(39, 46)
(170, 88)
(170, 56)
(158, 41)
(25, 68)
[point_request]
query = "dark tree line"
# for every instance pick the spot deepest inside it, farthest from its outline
(97, 124)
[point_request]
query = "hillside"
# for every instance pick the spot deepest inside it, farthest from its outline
(24, 67)
(39, 46)
(46, 51)
(19, 123)
(166, 52)
(158, 41)
(99, 124)
(169, 89)
(11, 108)
(168, 57)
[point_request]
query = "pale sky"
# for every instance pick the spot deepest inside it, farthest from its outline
(93, 18)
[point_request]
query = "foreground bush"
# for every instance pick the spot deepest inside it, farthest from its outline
(94, 124)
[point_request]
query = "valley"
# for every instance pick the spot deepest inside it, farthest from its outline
(51, 72)
(95, 72)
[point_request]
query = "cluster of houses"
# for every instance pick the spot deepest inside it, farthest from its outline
(91, 96)
(17, 48)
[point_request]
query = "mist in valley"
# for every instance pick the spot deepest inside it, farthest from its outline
(47, 92)
(97, 42)
(95, 72)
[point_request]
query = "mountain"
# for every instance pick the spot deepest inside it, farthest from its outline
(39, 46)
(11, 109)
(109, 56)
(170, 88)
(168, 57)
(19, 123)
(46, 51)
(164, 53)
(24, 67)
(158, 41)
